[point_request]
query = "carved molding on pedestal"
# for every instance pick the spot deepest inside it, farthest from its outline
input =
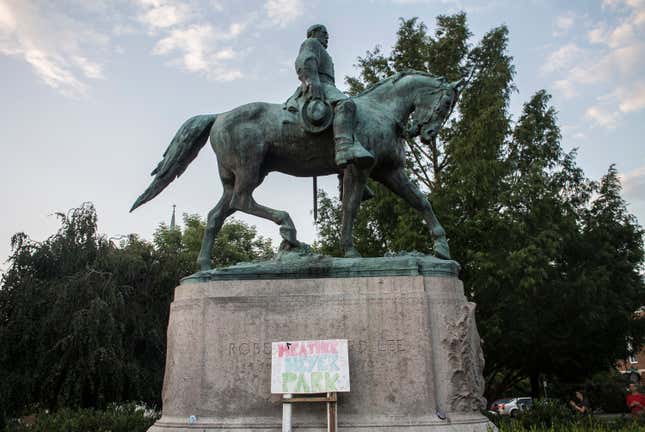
(467, 362)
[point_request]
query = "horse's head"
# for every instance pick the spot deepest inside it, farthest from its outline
(432, 109)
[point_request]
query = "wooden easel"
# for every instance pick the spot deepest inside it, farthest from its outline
(330, 399)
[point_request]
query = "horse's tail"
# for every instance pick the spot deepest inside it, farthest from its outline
(183, 148)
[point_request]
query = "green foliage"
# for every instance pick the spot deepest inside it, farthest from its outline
(64, 319)
(236, 242)
(555, 416)
(585, 425)
(116, 418)
(552, 259)
(384, 223)
(606, 392)
(548, 413)
(83, 320)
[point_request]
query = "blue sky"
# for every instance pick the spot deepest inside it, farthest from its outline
(93, 91)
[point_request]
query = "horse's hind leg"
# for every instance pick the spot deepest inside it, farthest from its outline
(216, 218)
(399, 183)
(242, 200)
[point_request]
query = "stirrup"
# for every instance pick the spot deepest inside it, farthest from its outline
(347, 153)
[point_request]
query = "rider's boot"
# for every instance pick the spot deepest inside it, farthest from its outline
(348, 149)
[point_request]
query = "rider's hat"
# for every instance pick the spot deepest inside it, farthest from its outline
(317, 115)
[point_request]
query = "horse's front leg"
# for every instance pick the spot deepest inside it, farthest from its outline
(354, 182)
(398, 182)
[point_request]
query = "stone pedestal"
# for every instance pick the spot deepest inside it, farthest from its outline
(414, 351)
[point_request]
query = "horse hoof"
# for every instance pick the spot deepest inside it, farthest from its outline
(352, 253)
(441, 249)
(286, 245)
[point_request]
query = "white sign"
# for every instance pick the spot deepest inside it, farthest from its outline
(310, 366)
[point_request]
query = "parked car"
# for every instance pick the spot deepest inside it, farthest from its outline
(511, 406)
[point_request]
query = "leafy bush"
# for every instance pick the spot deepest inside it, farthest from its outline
(607, 392)
(581, 425)
(116, 418)
(544, 414)
(552, 415)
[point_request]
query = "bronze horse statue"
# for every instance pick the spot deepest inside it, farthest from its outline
(254, 139)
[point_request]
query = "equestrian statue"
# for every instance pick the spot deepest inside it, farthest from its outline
(318, 131)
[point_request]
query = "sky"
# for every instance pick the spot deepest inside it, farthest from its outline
(92, 92)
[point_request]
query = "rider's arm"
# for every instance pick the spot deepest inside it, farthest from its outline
(307, 67)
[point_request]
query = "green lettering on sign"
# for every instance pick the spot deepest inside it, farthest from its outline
(316, 377)
(330, 381)
(287, 377)
(301, 385)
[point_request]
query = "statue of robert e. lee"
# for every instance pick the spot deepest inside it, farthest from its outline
(255, 139)
(315, 70)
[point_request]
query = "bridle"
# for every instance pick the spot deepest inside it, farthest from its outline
(417, 125)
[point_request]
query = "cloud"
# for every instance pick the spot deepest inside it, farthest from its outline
(89, 68)
(634, 100)
(634, 184)
(54, 73)
(7, 20)
(454, 6)
(195, 45)
(597, 34)
(192, 42)
(283, 12)
(67, 44)
(161, 14)
(601, 116)
(614, 57)
(235, 29)
(567, 88)
(63, 51)
(563, 23)
(611, 107)
(621, 35)
(563, 58)
(188, 37)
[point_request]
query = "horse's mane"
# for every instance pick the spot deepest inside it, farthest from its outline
(397, 76)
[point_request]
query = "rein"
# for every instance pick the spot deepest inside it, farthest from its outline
(414, 131)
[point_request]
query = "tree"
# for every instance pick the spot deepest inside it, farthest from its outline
(533, 244)
(538, 221)
(570, 282)
(236, 242)
(62, 320)
(611, 275)
(83, 320)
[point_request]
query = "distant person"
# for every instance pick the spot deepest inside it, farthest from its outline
(635, 401)
(580, 404)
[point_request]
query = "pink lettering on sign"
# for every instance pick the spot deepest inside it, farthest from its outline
(290, 349)
(283, 349)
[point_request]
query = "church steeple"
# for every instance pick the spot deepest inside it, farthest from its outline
(172, 220)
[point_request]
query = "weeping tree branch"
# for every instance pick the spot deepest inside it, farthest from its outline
(424, 177)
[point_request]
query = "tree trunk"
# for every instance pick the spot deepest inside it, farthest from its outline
(535, 383)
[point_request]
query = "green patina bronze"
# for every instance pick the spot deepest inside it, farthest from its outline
(305, 265)
(366, 141)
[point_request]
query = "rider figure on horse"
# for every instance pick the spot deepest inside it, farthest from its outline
(315, 70)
